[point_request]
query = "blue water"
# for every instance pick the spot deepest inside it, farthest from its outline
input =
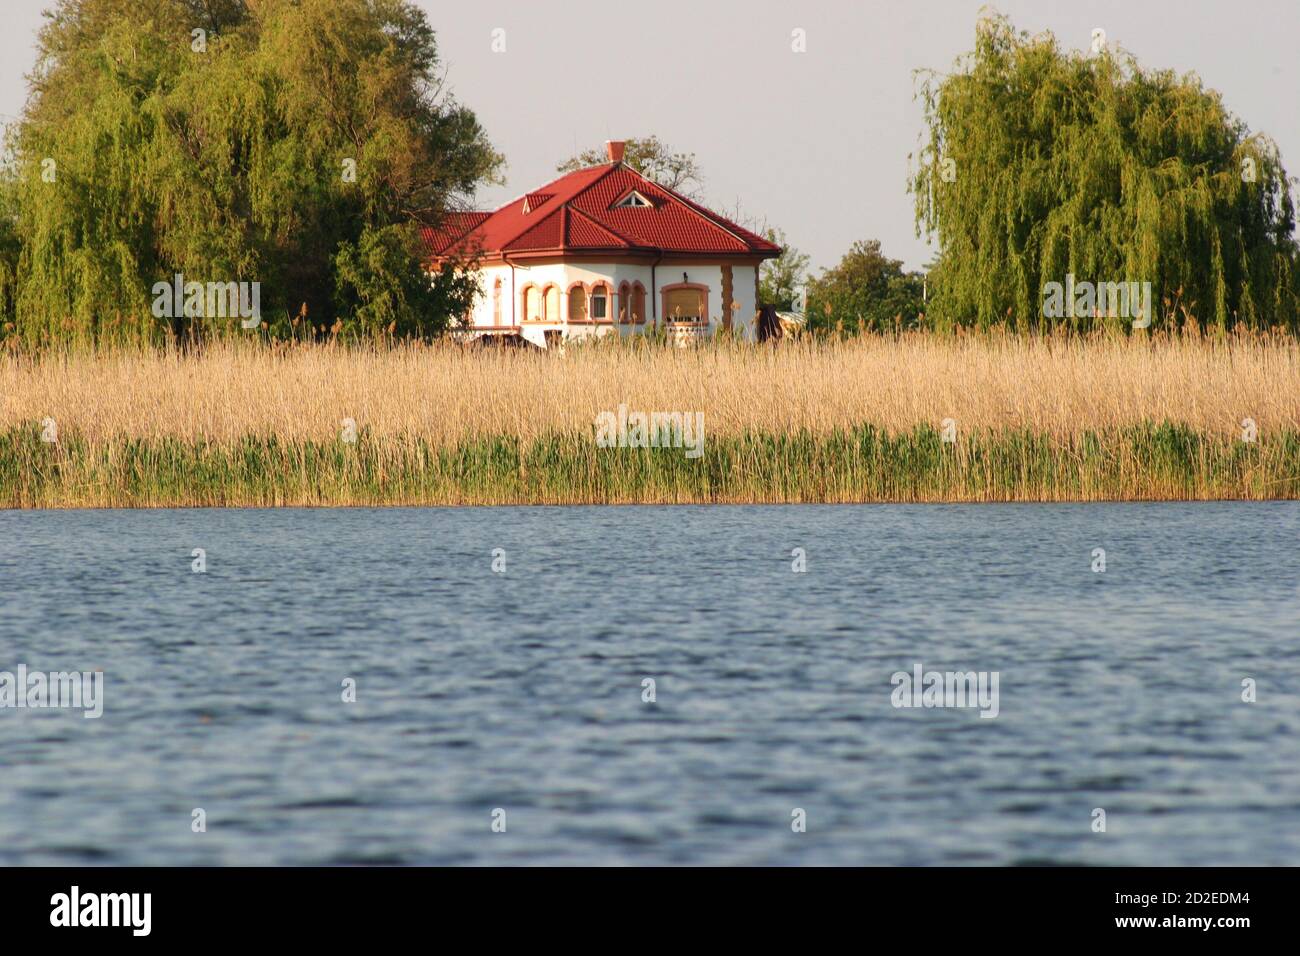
(522, 691)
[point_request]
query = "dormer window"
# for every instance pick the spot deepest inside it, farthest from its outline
(533, 200)
(633, 200)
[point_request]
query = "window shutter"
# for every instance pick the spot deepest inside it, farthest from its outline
(683, 304)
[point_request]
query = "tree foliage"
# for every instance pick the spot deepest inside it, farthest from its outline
(866, 292)
(295, 143)
(779, 279)
(1041, 163)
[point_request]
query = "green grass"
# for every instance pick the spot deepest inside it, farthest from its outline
(1150, 462)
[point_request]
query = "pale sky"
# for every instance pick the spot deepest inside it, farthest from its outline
(815, 142)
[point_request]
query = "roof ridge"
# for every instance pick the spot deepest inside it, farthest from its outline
(526, 193)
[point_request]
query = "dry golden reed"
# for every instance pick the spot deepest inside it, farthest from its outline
(1036, 419)
(1059, 387)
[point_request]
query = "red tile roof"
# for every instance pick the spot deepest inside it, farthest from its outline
(533, 200)
(453, 227)
(576, 213)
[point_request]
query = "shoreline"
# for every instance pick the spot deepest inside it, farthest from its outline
(418, 505)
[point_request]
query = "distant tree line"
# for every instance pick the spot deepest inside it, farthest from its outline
(300, 144)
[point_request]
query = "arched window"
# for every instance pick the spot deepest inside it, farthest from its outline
(624, 303)
(599, 303)
(577, 303)
(532, 304)
(551, 303)
(637, 312)
(496, 302)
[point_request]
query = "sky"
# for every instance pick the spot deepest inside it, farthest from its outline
(815, 142)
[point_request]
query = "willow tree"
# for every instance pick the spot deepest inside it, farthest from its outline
(300, 144)
(1040, 163)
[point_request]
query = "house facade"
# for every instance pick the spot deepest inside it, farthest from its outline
(603, 251)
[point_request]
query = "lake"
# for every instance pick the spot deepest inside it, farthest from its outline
(516, 697)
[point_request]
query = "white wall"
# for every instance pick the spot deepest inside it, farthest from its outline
(565, 274)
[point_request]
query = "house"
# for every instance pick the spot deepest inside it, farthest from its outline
(604, 250)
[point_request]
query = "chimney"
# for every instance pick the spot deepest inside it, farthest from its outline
(614, 148)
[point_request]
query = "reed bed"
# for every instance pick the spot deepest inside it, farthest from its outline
(1055, 418)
